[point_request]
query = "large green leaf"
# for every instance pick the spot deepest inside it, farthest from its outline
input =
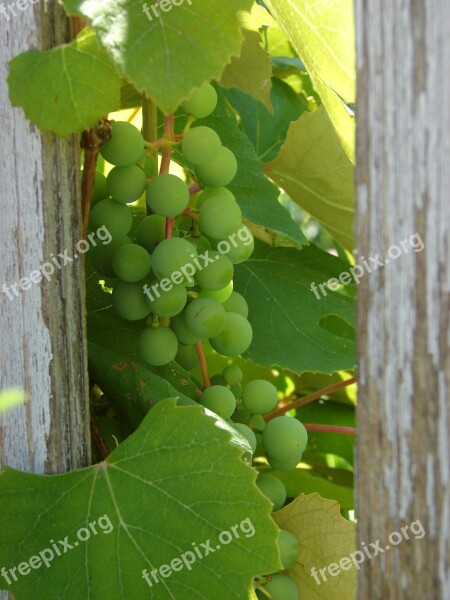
(67, 89)
(173, 53)
(314, 170)
(268, 131)
(252, 71)
(322, 33)
(173, 486)
(286, 315)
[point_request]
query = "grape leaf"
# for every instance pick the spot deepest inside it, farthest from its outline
(256, 195)
(67, 89)
(286, 314)
(314, 170)
(169, 55)
(177, 481)
(325, 537)
(322, 33)
(252, 71)
(267, 132)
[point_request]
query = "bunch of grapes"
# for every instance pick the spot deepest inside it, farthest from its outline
(176, 275)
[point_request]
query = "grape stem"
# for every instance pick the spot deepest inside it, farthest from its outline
(169, 134)
(194, 189)
(330, 428)
(203, 364)
(310, 398)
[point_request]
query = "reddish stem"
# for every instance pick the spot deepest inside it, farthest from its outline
(169, 227)
(331, 428)
(203, 364)
(194, 189)
(310, 398)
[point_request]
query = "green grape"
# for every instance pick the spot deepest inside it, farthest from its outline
(236, 336)
(200, 243)
(260, 397)
(102, 256)
(202, 101)
(248, 434)
(151, 231)
(125, 146)
(242, 244)
(217, 380)
(131, 263)
(187, 357)
(99, 192)
(167, 195)
(241, 415)
(237, 390)
(219, 217)
(284, 437)
(215, 275)
(205, 317)
(184, 335)
(213, 192)
(273, 488)
(116, 217)
(158, 347)
(289, 548)
(200, 145)
(281, 588)
(284, 465)
(233, 374)
(257, 422)
(219, 400)
(220, 171)
(130, 301)
(167, 303)
(126, 184)
(171, 256)
(236, 303)
(220, 295)
(151, 166)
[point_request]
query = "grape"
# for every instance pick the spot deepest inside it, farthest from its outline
(237, 304)
(215, 275)
(241, 416)
(201, 145)
(131, 263)
(169, 303)
(236, 336)
(257, 422)
(220, 295)
(281, 588)
(213, 192)
(260, 397)
(242, 244)
(202, 101)
(219, 217)
(289, 548)
(117, 218)
(205, 317)
(158, 347)
(126, 184)
(219, 400)
(284, 465)
(151, 166)
(130, 301)
(200, 243)
(184, 335)
(186, 357)
(237, 390)
(284, 437)
(99, 191)
(151, 231)
(248, 434)
(220, 171)
(126, 145)
(233, 374)
(167, 195)
(273, 488)
(171, 255)
(102, 256)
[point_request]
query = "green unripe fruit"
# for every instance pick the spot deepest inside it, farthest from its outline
(187, 357)
(131, 263)
(183, 333)
(171, 256)
(289, 548)
(126, 145)
(201, 145)
(260, 397)
(130, 301)
(99, 191)
(219, 400)
(273, 488)
(102, 256)
(202, 101)
(248, 434)
(220, 171)
(220, 295)
(216, 275)
(151, 166)
(205, 317)
(235, 338)
(281, 588)
(151, 231)
(167, 195)
(126, 184)
(284, 438)
(158, 347)
(233, 374)
(169, 303)
(116, 217)
(236, 303)
(211, 192)
(219, 217)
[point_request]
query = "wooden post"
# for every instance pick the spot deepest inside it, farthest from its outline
(403, 187)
